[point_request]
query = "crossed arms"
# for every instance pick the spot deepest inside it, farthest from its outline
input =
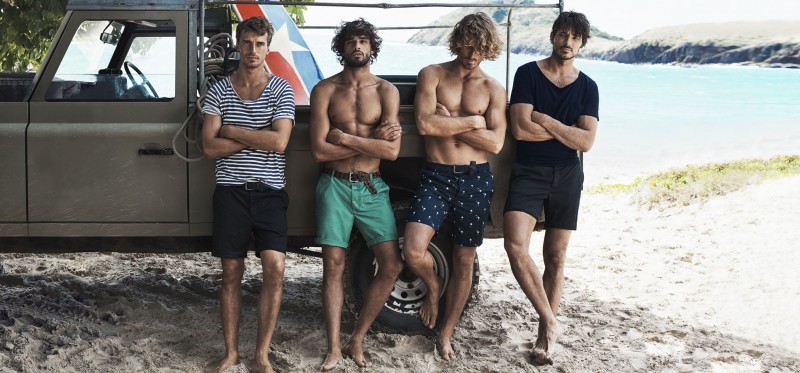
(330, 144)
(223, 139)
(485, 132)
(530, 125)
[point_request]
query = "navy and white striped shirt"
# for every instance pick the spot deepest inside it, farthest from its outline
(276, 102)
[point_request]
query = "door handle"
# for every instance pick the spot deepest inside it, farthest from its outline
(150, 151)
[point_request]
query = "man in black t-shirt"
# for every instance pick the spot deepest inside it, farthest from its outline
(554, 114)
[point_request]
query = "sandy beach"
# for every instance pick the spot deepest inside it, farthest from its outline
(709, 287)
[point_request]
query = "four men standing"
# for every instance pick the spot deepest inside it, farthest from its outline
(461, 112)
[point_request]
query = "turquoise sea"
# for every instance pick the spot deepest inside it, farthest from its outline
(652, 117)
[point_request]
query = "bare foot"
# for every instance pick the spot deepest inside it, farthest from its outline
(430, 307)
(263, 367)
(225, 363)
(331, 360)
(545, 344)
(445, 348)
(355, 351)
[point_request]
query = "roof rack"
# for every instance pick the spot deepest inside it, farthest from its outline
(556, 5)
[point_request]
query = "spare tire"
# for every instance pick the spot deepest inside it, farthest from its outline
(400, 314)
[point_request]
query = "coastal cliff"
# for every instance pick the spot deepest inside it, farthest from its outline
(764, 43)
(775, 43)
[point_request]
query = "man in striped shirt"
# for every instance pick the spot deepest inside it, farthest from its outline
(354, 124)
(248, 120)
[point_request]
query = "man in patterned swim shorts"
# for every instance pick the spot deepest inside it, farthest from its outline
(461, 112)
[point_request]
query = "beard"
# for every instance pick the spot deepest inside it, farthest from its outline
(350, 61)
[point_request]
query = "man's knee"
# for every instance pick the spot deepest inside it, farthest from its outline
(273, 265)
(463, 259)
(390, 268)
(232, 271)
(555, 258)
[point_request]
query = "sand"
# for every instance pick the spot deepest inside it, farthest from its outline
(710, 287)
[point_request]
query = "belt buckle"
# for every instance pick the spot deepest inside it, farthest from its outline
(350, 176)
(455, 169)
(251, 185)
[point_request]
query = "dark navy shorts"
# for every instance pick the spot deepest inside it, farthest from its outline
(462, 191)
(240, 214)
(557, 190)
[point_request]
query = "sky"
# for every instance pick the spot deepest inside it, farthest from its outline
(625, 18)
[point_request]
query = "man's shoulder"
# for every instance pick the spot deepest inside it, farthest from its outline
(385, 85)
(278, 81)
(433, 69)
(589, 79)
(325, 85)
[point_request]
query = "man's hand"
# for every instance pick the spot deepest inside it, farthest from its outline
(387, 131)
(441, 110)
(335, 136)
(540, 119)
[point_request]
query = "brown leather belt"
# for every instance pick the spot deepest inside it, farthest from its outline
(355, 177)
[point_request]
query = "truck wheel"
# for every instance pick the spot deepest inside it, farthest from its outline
(400, 314)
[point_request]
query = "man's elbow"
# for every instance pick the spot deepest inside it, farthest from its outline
(318, 157)
(423, 127)
(586, 146)
(496, 148)
(393, 154)
(281, 147)
(209, 153)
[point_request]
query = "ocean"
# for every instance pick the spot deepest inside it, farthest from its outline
(652, 117)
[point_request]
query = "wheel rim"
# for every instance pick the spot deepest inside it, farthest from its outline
(409, 291)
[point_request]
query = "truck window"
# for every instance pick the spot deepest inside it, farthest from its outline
(117, 60)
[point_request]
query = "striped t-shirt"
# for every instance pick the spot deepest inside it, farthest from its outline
(276, 102)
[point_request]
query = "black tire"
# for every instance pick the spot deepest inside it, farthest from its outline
(400, 314)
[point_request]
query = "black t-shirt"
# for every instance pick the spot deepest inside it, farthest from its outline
(566, 105)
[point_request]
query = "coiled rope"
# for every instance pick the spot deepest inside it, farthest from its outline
(214, 50)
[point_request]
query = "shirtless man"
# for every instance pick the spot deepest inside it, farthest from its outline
(554, 114)
(461, 112)
(354, 124)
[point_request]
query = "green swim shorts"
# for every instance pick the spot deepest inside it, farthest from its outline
(342, 204)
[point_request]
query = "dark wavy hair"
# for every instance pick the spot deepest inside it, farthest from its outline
(572, 21)
(480, 28)
(359, 27)
(258, 25)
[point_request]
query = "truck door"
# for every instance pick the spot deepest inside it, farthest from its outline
(112, 94)
(13, 89)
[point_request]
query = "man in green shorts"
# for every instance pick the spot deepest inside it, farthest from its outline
(354, 124)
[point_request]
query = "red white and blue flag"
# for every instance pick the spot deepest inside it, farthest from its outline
(289, 56)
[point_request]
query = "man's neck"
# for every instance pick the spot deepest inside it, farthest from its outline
(456, 68)
(356, 75)
(559, 66)
(251, 76)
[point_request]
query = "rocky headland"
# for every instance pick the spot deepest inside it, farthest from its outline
(759, 43)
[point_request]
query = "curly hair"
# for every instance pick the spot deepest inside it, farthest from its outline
(478, 28)
(359, 27)
(257, 25)
(572, 21)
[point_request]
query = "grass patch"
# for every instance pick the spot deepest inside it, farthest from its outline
(681, 187)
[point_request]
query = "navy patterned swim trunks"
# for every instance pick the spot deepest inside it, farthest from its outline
(463, 191)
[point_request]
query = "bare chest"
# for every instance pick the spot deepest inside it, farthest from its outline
(463, 98)
(351, 106)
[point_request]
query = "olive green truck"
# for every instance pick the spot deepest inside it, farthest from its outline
(88, 162)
